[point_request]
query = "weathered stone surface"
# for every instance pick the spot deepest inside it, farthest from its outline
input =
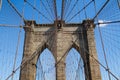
(59, 42)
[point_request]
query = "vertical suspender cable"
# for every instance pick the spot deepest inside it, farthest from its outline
(16, 54)
(15, 10)
(0, 4)
(85, 9)
(62, 9)
(71, 10)
(100, 34)
(55, 9)
(47, 10)
(33, 12)
(67, 8)
(17, 47)
(118, 1)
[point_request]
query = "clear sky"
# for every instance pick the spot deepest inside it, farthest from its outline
(9, 37)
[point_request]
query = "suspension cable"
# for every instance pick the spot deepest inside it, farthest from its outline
(31, 57)
(80, 11)
(38, 11)
(18, 43)
(106, 68)
(101, 38)
(102, 65)
(85, 9)
(33, 15)
(65, 2)
(67, 8)
(62, 9)
(55, 8)
(104, 51)
(16, 54)
(51, 8)
(101, 9)
(7, 25)
(70, 12)
(118, 1)
(46, 9)
(107, 22)
(0, 4)
(15, 9)
(79, 66)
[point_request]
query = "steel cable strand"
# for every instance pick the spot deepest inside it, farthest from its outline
(29, 59)
(80, 11)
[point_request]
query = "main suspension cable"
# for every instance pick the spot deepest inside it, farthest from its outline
(101, 9)
(100, 34)
(18, 43)
(15, 10)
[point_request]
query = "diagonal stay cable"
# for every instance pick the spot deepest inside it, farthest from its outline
(100, 63)
(102, 43)
(85, 9)
(103, 66)
(50, 8)
(15, 10)
(118, 1)
(18, 43)
(65, 4)
(63, 55)
(79, 67)
(103, 48)
(101, 9)
(70, 12)
(29, 58)
(67, 7)
(16, 53)
(46, 9)
(80, 10)
(38, 11)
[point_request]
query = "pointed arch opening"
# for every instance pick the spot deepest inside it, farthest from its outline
(74, 65)
(45, 66)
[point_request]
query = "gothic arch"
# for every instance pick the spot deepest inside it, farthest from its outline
(65, 39)
(77, 48)
(47, 68)
(72, 68)
(42, 48)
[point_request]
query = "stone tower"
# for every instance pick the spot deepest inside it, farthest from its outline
(59, 38)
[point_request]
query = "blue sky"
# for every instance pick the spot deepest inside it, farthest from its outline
(9, 36)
